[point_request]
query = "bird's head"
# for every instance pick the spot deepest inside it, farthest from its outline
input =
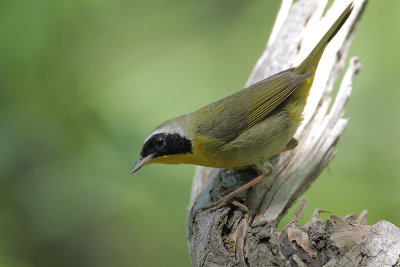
(166, 144)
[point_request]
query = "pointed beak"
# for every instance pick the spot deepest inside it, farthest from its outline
(141, 162)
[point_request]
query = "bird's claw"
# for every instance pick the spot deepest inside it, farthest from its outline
(224, 202)
(217, 204)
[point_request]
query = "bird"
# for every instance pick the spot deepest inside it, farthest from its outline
(246, 128)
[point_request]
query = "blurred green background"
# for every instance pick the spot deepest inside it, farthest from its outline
(84, 81)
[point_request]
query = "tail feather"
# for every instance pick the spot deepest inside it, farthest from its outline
(311, 62)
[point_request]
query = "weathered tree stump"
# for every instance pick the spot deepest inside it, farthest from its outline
(228, 236)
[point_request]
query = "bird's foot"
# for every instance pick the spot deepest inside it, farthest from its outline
(218, 204)
(224, 202)
(229, 198)
(290, 146)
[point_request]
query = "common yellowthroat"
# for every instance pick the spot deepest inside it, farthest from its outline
(245, 128)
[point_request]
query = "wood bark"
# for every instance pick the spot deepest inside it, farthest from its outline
(231, 237)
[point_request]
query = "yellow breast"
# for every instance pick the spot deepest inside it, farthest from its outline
(204, 153)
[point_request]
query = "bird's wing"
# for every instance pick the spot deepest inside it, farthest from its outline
(227, 118)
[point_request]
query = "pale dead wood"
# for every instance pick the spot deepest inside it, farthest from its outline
(223, 237)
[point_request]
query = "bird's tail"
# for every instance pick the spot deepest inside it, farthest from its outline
(311, 62)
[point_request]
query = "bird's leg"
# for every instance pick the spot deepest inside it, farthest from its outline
(266, 169)
(291, 145)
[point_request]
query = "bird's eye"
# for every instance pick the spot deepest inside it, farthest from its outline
(160, 142)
